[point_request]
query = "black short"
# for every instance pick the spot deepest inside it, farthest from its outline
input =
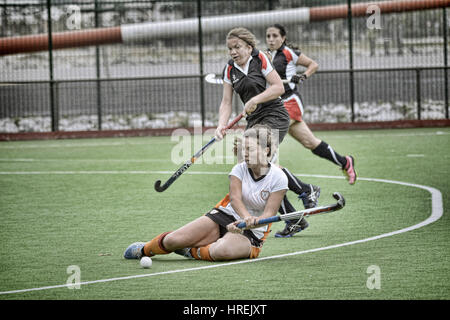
(274, 115)
(223, 219)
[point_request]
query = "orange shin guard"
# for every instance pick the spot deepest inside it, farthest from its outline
(202, 253)
(155, 245)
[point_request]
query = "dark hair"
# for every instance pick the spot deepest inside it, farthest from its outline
(281, 28)
(283, 33)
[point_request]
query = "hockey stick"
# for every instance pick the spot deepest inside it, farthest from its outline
(303, 213)
(213, 79)
(189, 163)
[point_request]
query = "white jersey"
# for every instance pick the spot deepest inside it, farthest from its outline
(255, 192)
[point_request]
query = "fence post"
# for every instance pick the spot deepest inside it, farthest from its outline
(200, 47)
(444, 14)
(350, 51)
(98, 75)
(418, 94)
(53, 108)
(5, 20)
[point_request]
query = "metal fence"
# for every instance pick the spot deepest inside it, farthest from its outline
(392, 68)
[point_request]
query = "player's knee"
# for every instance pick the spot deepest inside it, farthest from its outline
(221, 252)
(309, 141)
(174, 241)
(224, 252)
(302, 134)
(312, 143)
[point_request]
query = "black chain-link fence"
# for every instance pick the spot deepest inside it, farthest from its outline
(393, 67)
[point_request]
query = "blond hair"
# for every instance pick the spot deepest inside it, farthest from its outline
(243, 34)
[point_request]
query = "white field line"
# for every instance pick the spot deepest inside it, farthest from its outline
(415, 155)
(437, 211)
(103, 172)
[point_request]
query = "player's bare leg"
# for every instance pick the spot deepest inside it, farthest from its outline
(197, 233)
(300, 131)
(231, 246)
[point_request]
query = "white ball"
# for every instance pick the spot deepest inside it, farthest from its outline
(146, 262)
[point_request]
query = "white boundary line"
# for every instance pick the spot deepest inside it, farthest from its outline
(437, 211)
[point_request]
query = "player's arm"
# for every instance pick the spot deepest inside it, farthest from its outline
(274, 90)
(273, 204)
(236, 197)
(224, 110)
(271, 209)
(310, 65)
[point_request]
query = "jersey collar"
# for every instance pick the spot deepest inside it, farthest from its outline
(245, 70)
(260, 178)
(281, 48)
(274, 53)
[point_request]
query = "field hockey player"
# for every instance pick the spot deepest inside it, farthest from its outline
(251, 75)
(257, 188)
(285, 60)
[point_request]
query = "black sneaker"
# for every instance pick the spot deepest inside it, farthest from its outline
(310, 198)
(185, 252)
(292, 227)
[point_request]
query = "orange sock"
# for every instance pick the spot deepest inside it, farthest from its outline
(155, 245)
(201, 253)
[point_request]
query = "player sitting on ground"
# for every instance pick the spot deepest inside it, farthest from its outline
(256, 190)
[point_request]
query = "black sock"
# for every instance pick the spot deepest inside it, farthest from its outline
(295, 184)
(286, 206)
(325, 151)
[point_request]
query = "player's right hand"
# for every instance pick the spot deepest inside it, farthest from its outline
(220, 131)
(232, 227)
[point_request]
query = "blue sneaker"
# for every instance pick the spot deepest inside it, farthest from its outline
(134, 251)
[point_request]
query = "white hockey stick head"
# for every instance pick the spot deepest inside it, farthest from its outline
(212, 78)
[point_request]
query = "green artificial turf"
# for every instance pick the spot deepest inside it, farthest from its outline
(82, 202)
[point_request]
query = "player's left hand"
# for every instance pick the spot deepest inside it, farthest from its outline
(298, 79)
(250, 222)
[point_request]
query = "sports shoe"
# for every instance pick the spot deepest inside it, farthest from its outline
(292, 227)
(134, 251)
(185, 252)
(310, 198)
(349, 170)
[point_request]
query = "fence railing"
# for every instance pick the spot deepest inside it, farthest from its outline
(111, 98)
